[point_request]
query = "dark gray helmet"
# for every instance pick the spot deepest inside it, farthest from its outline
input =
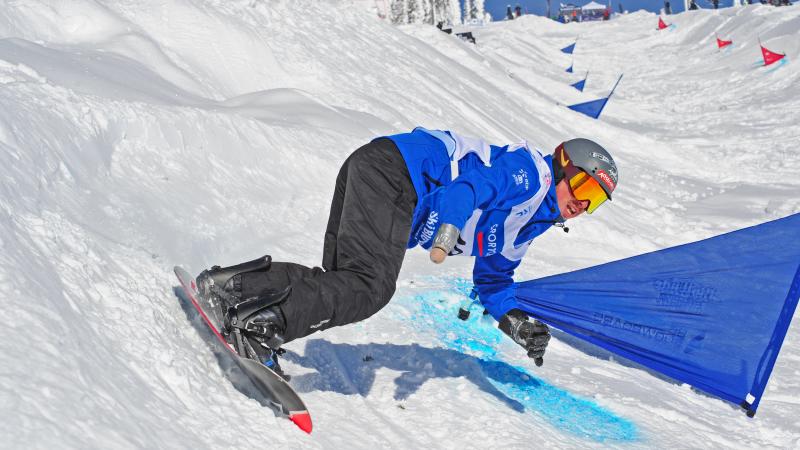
(588, 156)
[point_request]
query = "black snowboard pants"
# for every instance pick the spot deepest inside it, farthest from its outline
(365, 242)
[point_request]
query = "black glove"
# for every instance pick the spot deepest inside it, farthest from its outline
(532, 336)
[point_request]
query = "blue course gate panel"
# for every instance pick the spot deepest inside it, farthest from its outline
(682, 311)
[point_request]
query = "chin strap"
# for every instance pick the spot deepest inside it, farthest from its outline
(556, 223)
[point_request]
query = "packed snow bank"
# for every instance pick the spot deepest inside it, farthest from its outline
(140, 135)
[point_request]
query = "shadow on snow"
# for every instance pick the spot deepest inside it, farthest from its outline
(351, 370)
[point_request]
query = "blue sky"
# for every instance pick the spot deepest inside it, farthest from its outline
(497, 8)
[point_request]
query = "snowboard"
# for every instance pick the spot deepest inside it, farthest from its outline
(281, 395)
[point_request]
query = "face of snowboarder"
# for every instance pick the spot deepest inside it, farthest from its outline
(578, 191)
(569, 206)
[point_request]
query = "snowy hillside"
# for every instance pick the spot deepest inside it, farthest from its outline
(140, 134)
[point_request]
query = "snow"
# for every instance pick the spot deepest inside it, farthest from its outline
(140, 134)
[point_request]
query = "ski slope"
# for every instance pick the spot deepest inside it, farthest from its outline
(140, 134)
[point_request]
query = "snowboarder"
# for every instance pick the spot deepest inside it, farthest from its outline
(451, 195)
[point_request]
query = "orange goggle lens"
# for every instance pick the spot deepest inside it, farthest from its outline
(584, 187)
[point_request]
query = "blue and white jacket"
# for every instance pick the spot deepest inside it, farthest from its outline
(501, 198)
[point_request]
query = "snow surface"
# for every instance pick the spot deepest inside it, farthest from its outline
(140, 134)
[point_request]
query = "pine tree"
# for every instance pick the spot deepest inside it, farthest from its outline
(444, 12)
(398, 14)
(454, 11)
(469, 10)
(428, 11)
(480, 10)
(413, 11)
(473, 9)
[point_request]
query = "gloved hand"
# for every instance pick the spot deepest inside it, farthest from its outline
(532, 336)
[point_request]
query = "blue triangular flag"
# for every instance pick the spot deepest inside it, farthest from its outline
(580, 84)
(712, 313)
(569, 69)
(569, 49)
(592, 108)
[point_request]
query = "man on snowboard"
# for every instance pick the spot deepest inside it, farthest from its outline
(449, 194)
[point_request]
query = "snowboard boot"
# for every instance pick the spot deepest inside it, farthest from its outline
(222, 286)
(256, 327)
(228, 279)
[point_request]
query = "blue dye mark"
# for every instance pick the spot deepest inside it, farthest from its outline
(725, 50)
(777, 65)
(478, 336)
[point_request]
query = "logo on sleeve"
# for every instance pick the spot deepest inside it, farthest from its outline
(491, 241)
(524, 212)
(521, 177)
(426, 233)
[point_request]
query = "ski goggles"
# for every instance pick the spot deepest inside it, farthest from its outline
(584, 187)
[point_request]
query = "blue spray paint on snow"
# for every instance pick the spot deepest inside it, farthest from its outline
(773, 67)
(435, 311)
(778, 65)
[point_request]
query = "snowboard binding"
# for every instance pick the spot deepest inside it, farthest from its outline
(253, 326)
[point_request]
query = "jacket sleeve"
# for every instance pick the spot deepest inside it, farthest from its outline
(496, 187)
(492, 277)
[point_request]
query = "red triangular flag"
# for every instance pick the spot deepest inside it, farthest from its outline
(721, 43)
(661, 24)
(770, 57)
